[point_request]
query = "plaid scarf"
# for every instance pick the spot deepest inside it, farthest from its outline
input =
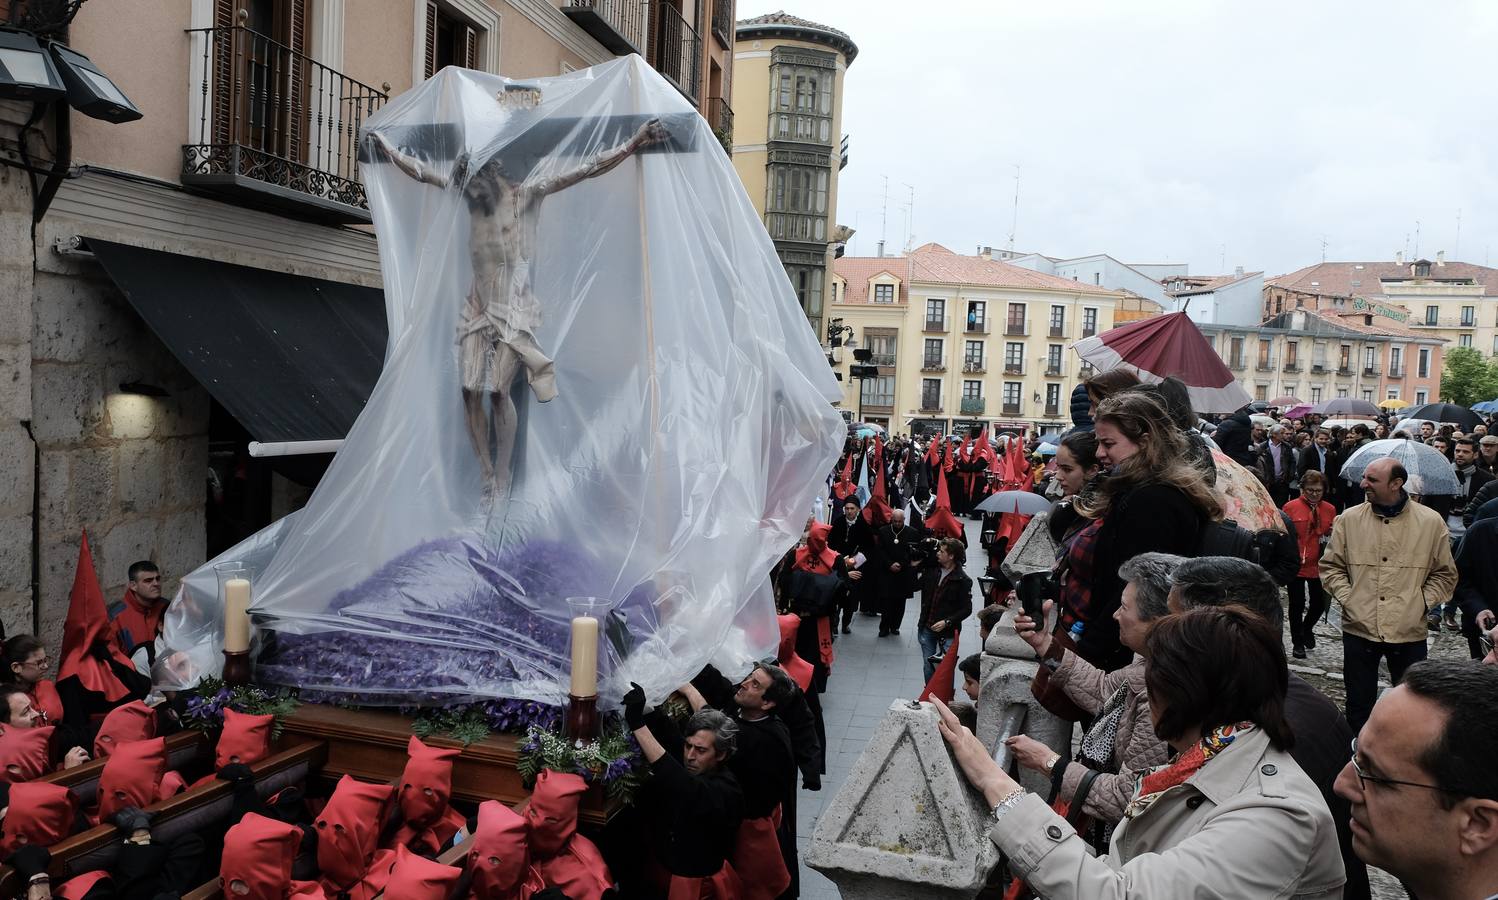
(1074, 574)
(1154, 783)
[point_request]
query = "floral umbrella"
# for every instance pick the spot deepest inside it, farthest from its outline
(1244, 498)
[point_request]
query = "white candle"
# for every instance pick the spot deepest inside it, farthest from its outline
(236, 619)
(584, 656)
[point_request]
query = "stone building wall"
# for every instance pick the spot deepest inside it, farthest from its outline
(17, 461)
(130, 469)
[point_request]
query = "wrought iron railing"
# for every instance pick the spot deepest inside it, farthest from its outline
(273, 115)
(720, 117)
(620, 25)
(972, 406)
(676, 50)
(723, 22)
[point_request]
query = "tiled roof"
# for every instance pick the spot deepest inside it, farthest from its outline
(936, 264)
(1201, 284)
(782, 19)
(1337, 278)
(857, 270)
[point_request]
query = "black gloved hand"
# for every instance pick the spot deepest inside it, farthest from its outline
(234, 773)
(634, 707)
(811, 781)
(132, 819)
(100, 650)
(29, 861)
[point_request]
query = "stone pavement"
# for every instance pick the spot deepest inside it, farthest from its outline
(868, 673)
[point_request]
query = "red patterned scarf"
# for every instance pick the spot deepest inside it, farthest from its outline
(1160, 779)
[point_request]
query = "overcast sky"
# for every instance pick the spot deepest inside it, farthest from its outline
(1219, 134)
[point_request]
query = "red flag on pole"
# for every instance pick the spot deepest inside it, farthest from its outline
(943, 683)
(87, 626)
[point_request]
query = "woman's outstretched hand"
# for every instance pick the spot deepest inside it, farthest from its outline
(973, 758)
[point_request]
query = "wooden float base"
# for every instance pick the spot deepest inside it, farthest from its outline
(371, 745)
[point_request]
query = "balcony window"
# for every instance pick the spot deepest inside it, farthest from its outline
(1013, 390)
(1315, 395)
(1015, 323)
(1053, 399)
(977, 316)
(277, 128)
(1432, 315)
(675, 50)
(1469, 316)
(1014, 357)
(1424, 364)
(1464, 340)
(1053, 359)
(881, 347)
(1089, 322)
(930, 393)
(884, 293)
(972, 390)
(972, 356)
(878, 391)
(1058, 321)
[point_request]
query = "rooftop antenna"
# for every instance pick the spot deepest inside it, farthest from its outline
(1457, 253)
(884, 217)
(1323, 248)
(1222, 260)
(1417, 238)
(910, 220)
(1014, 222)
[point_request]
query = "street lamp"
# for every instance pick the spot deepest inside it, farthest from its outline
(90, 91)
(26, 70)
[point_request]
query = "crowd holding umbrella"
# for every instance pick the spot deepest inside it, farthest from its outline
(1430, 472)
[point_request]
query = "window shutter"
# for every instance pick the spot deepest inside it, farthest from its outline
(225, 42)
(430, 67)
(297, 71)
(470, 48)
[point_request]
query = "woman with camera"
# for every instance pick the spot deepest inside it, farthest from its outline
(1231, 816)
(946, 599)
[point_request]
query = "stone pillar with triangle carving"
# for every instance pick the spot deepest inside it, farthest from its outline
(905, 822)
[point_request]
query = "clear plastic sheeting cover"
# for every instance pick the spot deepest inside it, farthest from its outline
(690, 430)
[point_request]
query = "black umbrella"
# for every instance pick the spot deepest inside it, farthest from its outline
(1346, 406)
(1460, 416)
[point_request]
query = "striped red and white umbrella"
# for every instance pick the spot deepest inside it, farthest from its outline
(1163, 346)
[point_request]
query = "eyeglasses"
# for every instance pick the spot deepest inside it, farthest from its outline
(1364, 777)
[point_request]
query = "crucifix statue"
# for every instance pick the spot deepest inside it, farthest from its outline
(496, 335)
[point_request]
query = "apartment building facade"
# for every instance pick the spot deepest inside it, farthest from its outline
(1453, 301)
(1317, 357)
(234, 208)
(790, 145)
(967, 340)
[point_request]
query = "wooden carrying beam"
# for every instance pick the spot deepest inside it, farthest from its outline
(371, 746)
(76, 854)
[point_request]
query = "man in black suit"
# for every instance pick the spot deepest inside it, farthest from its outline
(1320, 456)
(850, 536)
(897, 577)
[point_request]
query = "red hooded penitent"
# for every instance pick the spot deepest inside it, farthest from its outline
(799, 669)
(134, 721)
(426, 786)
(245, 738)
(87, 624)
(348, 834)
(499, 858)
(24, 752)
(132, 776)
(413, 877)
(565, 859)
(257, 860)
(39, 814)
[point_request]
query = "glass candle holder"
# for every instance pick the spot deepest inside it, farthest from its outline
(235, 593)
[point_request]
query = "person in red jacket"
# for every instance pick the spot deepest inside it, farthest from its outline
(1313, 525)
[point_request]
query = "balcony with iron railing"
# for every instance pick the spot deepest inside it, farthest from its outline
(1344, 370)
(881, 359)
(1264, 365)
(676, 50)
(972, 406)
(1053, 370)
(1318, 368)
(930, 404)
(1014, 368)
(933, 364)
(1052, 410)
(1057, 331)
(1396, 371)
(1370, 371)
(1089, 330)
(619, 25)
(974, 367)
(720, 117)
(1012, 409)
(723, 22)
(976, 325)
(1237, 364)
(278, 129)
(1020, 327)
(1292, 367)
(936, 323)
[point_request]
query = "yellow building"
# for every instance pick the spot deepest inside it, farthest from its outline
(967, 340)
(788, 141)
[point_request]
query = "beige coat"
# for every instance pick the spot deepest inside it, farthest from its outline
(1135, 746)
(1248, 824)
(1386, 572)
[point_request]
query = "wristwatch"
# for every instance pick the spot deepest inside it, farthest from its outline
(1050, 764)
(1007, 802)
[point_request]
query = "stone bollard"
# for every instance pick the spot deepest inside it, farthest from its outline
(905, 823)
(1009, 664)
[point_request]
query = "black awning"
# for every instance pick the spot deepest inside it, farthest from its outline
(292, 358)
